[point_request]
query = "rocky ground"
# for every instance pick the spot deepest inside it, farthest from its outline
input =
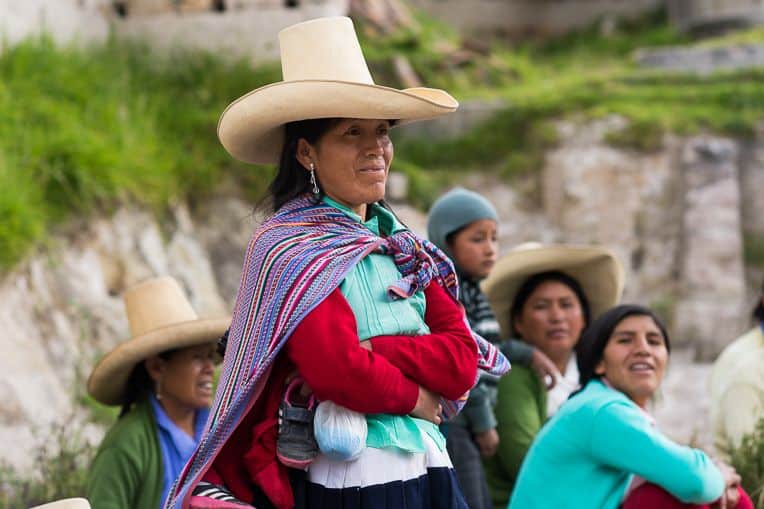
(682, 408)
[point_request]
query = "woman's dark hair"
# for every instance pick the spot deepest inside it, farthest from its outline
(591, 347)
(139, 384)
(451, 236)
(529, 286)
(758, 311)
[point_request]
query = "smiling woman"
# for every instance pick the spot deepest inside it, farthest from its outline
(544, 296)
(336, 297)
(602, 449)
(162, 377)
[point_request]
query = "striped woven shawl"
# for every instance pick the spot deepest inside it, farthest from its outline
(295, 260)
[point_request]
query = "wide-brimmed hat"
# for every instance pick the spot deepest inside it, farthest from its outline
(595, 268)
(69, 503)
(324, 76)
(160, 319)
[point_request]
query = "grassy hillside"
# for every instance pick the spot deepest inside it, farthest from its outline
(586, 74)
(84, 129)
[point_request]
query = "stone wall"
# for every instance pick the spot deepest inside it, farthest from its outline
(245, 28)
(715, 14)
(595, 193)
(522, 17)
(65, 20)
(249, 31)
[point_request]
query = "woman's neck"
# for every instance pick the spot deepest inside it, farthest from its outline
(561, 362)
(181, 415)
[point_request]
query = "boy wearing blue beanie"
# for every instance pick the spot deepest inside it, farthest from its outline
(464, 225)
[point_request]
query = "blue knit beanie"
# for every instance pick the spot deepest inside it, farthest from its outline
(453, 211)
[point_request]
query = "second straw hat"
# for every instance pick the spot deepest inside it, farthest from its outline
(160, 319)
(595, 268)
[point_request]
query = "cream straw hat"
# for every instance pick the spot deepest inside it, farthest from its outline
(324, 76)
(160, 319)
(69, 503)
(595, 268)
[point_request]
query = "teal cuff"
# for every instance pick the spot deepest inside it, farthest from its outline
(401, 432)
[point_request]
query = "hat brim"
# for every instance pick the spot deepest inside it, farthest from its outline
(69, 503)
(108, 380)
(252, 128)
(596, 269)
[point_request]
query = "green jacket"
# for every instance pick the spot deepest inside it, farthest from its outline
(520, 413)
(127, 470)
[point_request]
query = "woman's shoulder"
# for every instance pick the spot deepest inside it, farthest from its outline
(601, 404)
(133, 431)
(521, 374)
(521, 379)
(595, 397)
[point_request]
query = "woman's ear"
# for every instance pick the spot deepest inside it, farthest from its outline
(516, 324)
(306, 154)
(599, 369)
(155, 367)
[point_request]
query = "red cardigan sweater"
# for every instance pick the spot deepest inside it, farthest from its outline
(325, 350)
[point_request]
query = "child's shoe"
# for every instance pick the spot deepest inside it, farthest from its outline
(212, 496)
(296, 446)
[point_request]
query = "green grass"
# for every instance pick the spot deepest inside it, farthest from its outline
(86, 129)
(586, 75)
(60, 462)
(748, 460)
(83, 130)
(753, 249)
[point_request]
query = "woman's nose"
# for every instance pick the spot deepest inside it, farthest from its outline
(375, 146)
(556, 313)
(641, 345)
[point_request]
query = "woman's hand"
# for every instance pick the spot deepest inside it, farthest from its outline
(488, 442)
(544, 368)
(428, 406)
(731, 495)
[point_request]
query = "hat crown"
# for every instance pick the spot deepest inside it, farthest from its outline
(323, 49)
(156, 303)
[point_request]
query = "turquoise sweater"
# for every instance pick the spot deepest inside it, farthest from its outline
(376, 314)
(586, 456)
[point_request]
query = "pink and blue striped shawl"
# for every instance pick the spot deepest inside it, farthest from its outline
(295, 260)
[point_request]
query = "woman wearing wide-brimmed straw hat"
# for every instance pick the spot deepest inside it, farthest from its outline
(336, 288)
(162, 378)
(545, 296)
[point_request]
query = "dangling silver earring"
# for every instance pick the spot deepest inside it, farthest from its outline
(313, 182)
(158, 390)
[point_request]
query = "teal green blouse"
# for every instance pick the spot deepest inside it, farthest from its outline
(376, 314)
